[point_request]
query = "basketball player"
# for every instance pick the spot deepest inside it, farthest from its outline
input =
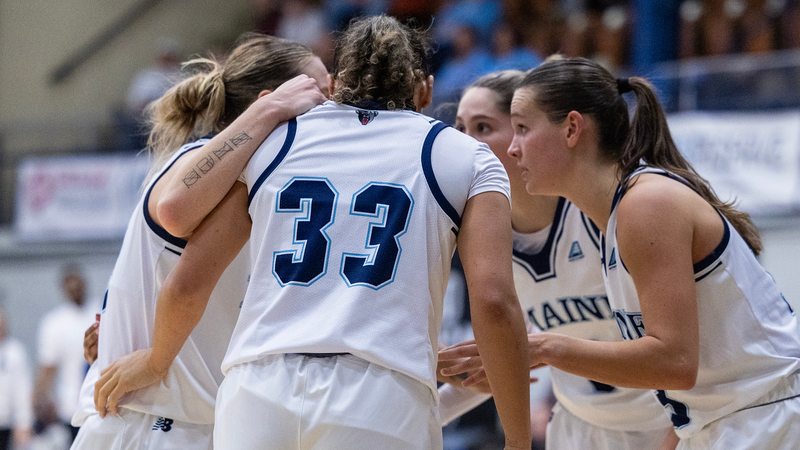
(356, 209)
(178, 411)
(704, 324)
(560, 287)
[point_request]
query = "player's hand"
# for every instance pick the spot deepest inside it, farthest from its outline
(296, 96)
(464, 358)
(128, 373)
(90, 342)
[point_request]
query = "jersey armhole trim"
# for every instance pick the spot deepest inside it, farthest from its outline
(287, 144)
(156, 228)
(427, 170)
(718, 250)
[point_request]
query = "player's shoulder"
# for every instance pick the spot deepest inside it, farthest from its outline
(455, 137)
(656, 208)
(657, 195)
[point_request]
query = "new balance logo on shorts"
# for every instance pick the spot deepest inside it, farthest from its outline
(163, 424)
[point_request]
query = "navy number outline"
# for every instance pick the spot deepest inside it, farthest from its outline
(315, 201)
(391, 204)
(680, 411)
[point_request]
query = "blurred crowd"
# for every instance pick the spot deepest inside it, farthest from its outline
(475, 37)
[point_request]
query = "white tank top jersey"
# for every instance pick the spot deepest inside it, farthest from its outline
(355, 214)
(147, 256)
(559, 283)
(749, 336)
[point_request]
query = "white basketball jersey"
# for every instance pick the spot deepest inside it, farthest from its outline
(147, 256)
(560, 288)
(749, 337)
(355, 214)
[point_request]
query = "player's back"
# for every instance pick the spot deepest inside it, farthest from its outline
(355, 214)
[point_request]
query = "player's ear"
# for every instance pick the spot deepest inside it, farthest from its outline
(423, 93)
(264, 92)
(573, 127)
(331, 85)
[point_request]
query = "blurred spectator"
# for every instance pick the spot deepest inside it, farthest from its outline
(468, 62)
(61, 362)
(148, 85)
(304, 21)
(790, 24)
(421, 11)
(151, 83)
(341, 12)
(708, 28)
(757, 25)
(16, 414)
(267, 16)
(610, 37)
(480, 15)
(508, 53)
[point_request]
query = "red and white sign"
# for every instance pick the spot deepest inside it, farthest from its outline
(77, 197)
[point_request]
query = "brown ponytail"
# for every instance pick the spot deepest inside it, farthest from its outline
(215, 94)
(578, 84)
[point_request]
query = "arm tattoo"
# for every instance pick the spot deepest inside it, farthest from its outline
(226, 148)
(191, 178)
(240, 139)
(206, 164)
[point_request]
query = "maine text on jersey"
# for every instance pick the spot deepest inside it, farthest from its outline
(569, 310)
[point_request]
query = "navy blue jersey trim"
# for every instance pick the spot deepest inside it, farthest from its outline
(542, 265)
(157, 229)
(287, 144)
(105, 302)
(427, 169)
(714, 255)
(592, 230)
(719, 263)
(173, 251)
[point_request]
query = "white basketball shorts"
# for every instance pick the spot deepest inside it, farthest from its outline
(132, 430)
(302, 402)
(565, 431)
(771, 422)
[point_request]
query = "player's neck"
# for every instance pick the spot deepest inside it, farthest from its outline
(531, 213)
(594, 193)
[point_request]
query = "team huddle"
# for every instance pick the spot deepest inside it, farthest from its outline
(281, 281)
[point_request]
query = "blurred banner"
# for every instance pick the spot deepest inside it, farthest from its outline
(77, 197)
(751, 157)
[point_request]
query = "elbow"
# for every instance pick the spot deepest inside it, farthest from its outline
(685, 381)
(682, 376)
(496, 308)
(172, 217)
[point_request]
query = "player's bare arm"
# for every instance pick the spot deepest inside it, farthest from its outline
(199, 180)
(182, 300)
(484, 244)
